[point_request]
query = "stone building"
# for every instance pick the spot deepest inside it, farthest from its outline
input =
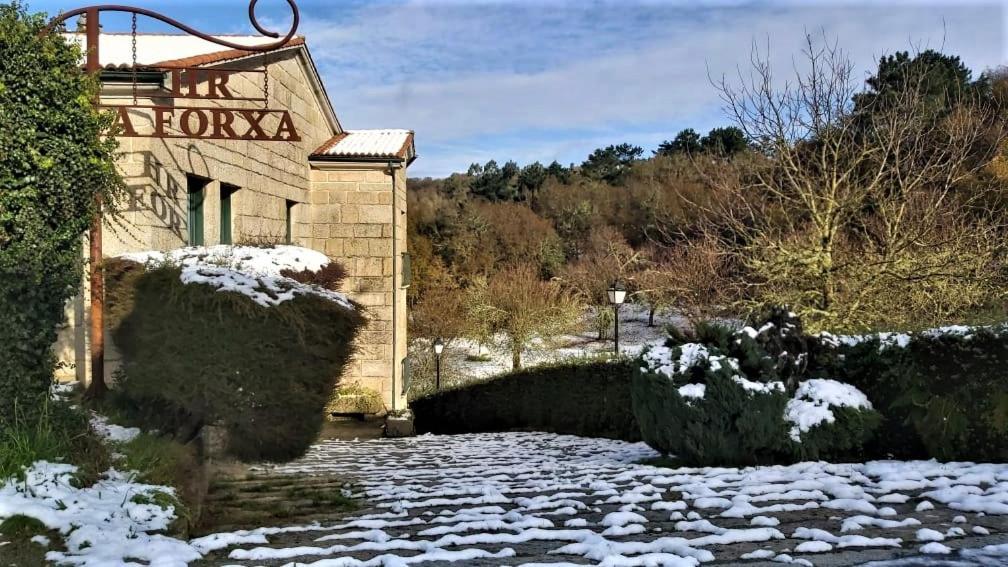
(234, 146)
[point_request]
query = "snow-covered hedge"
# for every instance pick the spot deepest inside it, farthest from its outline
(223, 335)
(943, 392)
(746, 396)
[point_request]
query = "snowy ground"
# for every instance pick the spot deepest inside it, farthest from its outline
(635, 333)
(543, 499)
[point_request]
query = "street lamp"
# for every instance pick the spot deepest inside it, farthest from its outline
(617, 293)
(438, 349)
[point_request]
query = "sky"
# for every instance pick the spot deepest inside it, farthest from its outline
(552, 80)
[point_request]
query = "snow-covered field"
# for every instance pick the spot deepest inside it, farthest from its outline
(465, 355)
(543, 499)
(115, 520)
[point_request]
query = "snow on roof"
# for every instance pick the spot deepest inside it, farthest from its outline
(116, 49)
(393, 144)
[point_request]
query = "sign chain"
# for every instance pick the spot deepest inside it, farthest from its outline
(266, 80)
(134, 68)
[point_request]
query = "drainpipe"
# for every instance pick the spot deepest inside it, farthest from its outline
(392, 167)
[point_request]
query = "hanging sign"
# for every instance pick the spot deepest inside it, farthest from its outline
(202, 121)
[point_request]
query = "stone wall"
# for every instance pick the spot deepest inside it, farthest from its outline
(352, 220)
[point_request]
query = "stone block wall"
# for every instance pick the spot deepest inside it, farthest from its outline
(352, 220)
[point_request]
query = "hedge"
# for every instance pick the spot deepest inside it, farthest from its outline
(589, 399)
(729, 426)
(943, 393)
(194, 356)
(748, 396)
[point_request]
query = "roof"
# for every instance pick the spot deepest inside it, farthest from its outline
(367, 145)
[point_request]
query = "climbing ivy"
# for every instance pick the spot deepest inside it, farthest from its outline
(57, 156)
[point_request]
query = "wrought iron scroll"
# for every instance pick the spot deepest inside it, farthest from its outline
(190, 30)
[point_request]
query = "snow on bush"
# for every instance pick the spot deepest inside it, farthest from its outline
(813, 403)
(888, 340)
(251, 271)
(725, 391)
(104, 524)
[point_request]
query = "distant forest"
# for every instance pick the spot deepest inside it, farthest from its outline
(861, 204)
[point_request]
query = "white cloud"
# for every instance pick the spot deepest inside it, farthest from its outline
(470, 79)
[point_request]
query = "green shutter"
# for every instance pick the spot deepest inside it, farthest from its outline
(197, 194)
(225, 213)
(407, 272)
(407, 374)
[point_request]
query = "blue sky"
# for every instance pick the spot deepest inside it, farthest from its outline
(551, 79)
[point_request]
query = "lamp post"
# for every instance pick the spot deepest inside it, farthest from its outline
(438, 349)
(617, 294)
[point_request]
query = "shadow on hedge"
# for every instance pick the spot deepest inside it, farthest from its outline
(194, 356)
(587, 399)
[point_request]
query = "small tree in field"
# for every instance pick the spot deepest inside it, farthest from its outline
(441, 311)
(57, 158)
(523, 307)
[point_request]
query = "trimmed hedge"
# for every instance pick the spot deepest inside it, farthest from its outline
(745, 397)
(943, 393)
(587, 399)
(194, 356)
(730, 426)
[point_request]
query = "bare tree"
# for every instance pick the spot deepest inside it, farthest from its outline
(522, 307)
(852, 200)
(608, 258)
(691, 276)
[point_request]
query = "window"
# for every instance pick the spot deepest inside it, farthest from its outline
(196, 188)
(226, 191)
(289, 236)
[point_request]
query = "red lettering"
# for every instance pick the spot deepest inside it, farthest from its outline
(161, 120)
(201, 122)
(286, 126)
(123, 120)
(222, 120)
(254, 117)
(218, 80)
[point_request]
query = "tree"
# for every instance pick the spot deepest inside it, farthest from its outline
(523, 307)
(692, 276)
(611, 163)
(558, 172)
(725, 141)
(686, 142)
(855, 207)
(440, 311)
(530, 180)
(57, 158)
(608, 258)
(939, 80)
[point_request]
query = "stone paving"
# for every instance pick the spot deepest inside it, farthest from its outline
(543, 499)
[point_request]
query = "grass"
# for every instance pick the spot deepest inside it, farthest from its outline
(60, 434)
(16, 547)
(165, 462)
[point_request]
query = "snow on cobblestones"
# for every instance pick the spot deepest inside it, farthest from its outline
(543, 499)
